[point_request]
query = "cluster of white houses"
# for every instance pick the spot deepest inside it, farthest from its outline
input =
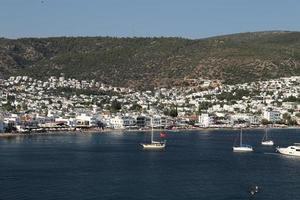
(48, 104)
(24, 122)
(19, 123)
(208, 120)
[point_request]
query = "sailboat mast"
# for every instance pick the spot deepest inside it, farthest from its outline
(151, 130)
(241, 140)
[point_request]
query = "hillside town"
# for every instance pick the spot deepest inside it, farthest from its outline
(60, 103)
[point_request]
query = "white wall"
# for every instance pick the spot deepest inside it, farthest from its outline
(204, 120)
(117, 122)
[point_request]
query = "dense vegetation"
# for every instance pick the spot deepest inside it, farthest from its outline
(148, 62)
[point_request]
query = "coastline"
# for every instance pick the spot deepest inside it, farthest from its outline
(99, 131)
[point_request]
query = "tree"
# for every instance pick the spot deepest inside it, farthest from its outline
(265, 121)
(199, 110)
(8, 107)
(291, 99)
(116, 105)
(24, 106)
(173, 112)
(136, 107)
(11, 98)
(286, 117)
(292, 122)
(18, 108)
(204, 105)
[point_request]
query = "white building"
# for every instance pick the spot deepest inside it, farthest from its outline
(86, 120)
(254, 120)
(205, 120)
(272, 116)
(159, 122)
(128, 121)
(70, 122)
(95, 109)
(117, 122)
(13, 120)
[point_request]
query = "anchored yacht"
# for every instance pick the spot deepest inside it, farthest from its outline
(265, 141)
(242, 147)
(154, 145)
(290, 150)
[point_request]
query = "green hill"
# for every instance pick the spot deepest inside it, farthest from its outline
(145, 62)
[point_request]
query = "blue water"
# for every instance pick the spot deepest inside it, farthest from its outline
(195, 165)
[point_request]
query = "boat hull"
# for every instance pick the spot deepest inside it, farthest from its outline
(242, 149)
(289, 151)
(267, 143)
(155, 146)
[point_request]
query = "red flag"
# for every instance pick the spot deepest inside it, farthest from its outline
(163, 135)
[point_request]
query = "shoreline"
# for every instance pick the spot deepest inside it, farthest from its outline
(99, 131)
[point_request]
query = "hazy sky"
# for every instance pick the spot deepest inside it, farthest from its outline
(183, 18)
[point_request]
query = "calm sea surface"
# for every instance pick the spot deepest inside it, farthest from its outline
(195, 165)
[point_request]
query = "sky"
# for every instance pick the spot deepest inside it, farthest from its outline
(145, 18)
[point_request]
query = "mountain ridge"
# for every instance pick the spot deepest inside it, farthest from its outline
(158, 61)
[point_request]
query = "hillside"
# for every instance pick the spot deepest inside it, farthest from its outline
(145, 62)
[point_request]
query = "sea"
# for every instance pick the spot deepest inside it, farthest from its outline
(113, 166)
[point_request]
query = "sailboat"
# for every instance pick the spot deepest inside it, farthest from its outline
(155, 145)
(242, 147)
(265, 141)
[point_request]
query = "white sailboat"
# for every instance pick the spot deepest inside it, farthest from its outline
(154, 145)
(242, 147)
(265, 141)
(293, 150)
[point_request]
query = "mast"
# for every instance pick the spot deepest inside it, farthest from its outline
(241, 135)
(151, 130)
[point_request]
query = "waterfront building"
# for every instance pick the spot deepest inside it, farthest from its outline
(254, 120)
(11, 120)
(128, 121)
(143, 121)
(71, 122)
(244, 117)
(272, 116)
(205, 120)
(86, 120)
(9, 123)
(117, 122)
(160, 121)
